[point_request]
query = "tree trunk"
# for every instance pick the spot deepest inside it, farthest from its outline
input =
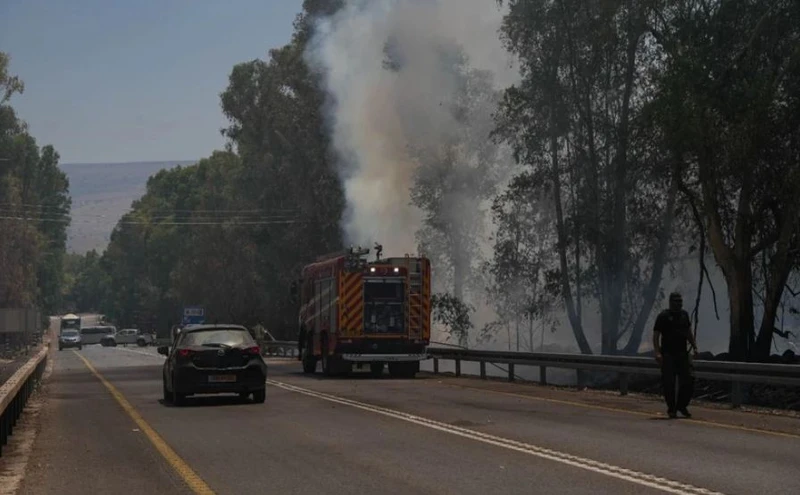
(780, 267)
(659, 260)
(740, 297)
(575, 323)
(617, 246)
(530, 333)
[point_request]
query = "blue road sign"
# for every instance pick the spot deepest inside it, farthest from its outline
(193, 315)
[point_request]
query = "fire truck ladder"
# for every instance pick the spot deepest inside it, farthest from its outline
(414, 295)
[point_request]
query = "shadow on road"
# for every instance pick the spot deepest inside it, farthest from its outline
(212, 401)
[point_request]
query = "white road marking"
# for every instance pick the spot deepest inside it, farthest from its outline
(629, 475)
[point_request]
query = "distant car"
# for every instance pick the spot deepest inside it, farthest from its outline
(213, 359)
(95, 334)
(69, 338)
(126, 336)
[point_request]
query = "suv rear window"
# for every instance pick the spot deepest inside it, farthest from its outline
(217, 337)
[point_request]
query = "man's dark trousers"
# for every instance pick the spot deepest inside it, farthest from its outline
(677, 366)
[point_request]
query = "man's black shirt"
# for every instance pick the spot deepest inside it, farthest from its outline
(674, 327)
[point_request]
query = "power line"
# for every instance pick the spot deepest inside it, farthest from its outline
(81, 216)
(224, 222)
(47, 205)
(30, 207)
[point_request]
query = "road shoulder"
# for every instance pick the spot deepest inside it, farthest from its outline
(86, 443)
(746, 419)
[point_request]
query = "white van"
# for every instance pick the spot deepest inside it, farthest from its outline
(93, 335)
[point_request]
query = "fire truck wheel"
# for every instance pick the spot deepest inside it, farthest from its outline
(309, 362)
(326, 360)
(376, 369)
(403, 370)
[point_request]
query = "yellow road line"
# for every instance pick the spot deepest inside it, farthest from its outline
(626, 411)
(191, 478)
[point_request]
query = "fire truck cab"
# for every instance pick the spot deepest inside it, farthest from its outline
(355, 312)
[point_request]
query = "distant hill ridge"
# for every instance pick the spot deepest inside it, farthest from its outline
(102, 193)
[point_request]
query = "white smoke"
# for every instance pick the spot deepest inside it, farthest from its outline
(375, 113)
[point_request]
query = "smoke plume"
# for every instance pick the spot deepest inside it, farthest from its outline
(379, 109)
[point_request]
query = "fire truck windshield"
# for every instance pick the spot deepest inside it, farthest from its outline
(383, 306)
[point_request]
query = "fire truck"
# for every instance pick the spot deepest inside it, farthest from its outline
(360, 313)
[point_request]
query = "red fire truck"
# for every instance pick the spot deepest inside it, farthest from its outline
(365, 313)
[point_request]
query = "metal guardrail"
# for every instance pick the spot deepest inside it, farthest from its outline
(279, 348)
(14, 393)
(736, 373)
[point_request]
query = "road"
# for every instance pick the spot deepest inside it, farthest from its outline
(363, 435)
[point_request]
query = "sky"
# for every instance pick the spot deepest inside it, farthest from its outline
(125, 81)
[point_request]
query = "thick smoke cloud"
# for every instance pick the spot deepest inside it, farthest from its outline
(377, 113)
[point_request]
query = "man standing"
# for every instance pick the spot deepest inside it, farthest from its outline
(671, 334)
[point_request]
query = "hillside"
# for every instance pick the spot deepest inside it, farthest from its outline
(101, 194)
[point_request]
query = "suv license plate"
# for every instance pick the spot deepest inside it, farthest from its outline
(222, 378)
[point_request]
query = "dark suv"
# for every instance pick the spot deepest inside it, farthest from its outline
(213, 359)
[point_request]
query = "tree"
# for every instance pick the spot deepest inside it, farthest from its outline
(730, 109)
(34, 210)
(576, 120)
(454, 314)
(522, 277)
(85, 283)
(455, 177)
(277, 126)
(231, 232)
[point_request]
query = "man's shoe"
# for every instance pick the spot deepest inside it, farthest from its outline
(672, 414)
(685, 412)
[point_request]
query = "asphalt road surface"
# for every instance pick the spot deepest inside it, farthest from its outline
(103, 428)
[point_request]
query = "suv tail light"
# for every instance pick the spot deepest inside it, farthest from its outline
(255, 350)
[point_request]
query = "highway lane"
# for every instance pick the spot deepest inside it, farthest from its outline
(327, 435)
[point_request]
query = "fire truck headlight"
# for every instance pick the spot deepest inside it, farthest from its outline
(396, 270)
(372, 269)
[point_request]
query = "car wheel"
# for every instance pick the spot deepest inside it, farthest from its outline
(403, 370)
(259, 396)
(177, 399)
(80, 347)
(167, 393)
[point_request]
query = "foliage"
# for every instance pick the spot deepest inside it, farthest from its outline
(454, 314)
(731, 112)
(85, 283)
(524, 288)
(577, 121)
(34, 210)
(233, 231)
